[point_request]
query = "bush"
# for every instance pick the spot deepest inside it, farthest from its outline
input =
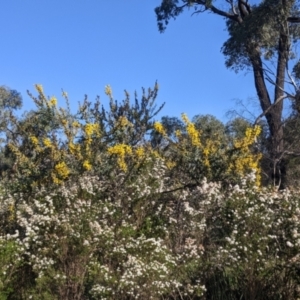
(103, 214)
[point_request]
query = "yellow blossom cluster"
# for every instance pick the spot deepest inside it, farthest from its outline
(178, 133)
(86, 164)
(140, 152)
(47, 143)
(192, 131)
(76, 124)
(22, 159)
(170, 164)
(159, 128)
(250, 136)
(74, 149)
(52, 101)
(123, 122)
(34, 140)
(246, 160)
(90, 129)
(209, 148)
(62, 170)
(39, 88)
(121, 150)
(206, 157)
(11, 210)
(108, 90)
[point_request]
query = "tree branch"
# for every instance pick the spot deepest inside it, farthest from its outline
(292, 153)
(232, 6)
(268, 78)
(293, 19)
(219, 12)
(269, 108)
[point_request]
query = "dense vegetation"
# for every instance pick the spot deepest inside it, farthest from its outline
(114, 204)
(111, 204)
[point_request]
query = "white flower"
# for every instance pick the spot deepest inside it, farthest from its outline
(289, 244)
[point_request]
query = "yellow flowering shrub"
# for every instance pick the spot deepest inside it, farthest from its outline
(57, 145)
(192, 132)
(211, 156)
(120, 150)
(245, 160)
(94, 138)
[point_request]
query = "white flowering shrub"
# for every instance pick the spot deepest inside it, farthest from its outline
(148, 241)
(81, 240)
(254, 243)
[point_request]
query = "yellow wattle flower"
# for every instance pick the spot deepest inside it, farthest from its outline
(62, 170)
(47, 143)
(91, 128)
(39, 88)
(108, 90)
(246, 160)
(52, 101)
(178, 133)
(159, 128)
(34, 140)
(123, 121)
(75, 124)
(193, 134)
(140, 152)
(87, 165)
(185, 118)
(120, 150)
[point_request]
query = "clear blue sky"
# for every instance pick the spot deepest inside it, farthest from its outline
(83, 45)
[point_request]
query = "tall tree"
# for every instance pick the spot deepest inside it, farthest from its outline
(258, 35)
(10, 100)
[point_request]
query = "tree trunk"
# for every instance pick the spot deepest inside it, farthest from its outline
(274, 112)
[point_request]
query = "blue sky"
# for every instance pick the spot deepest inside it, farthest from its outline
(81, 46)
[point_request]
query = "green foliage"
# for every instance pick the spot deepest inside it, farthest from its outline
(260, 29)
(9, 100)
(170, 124)
(10, 262)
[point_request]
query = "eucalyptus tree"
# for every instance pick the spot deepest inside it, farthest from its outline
(10, 100)
(262, 35)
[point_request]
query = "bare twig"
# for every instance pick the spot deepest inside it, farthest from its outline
(292, 81)
(292, 153)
